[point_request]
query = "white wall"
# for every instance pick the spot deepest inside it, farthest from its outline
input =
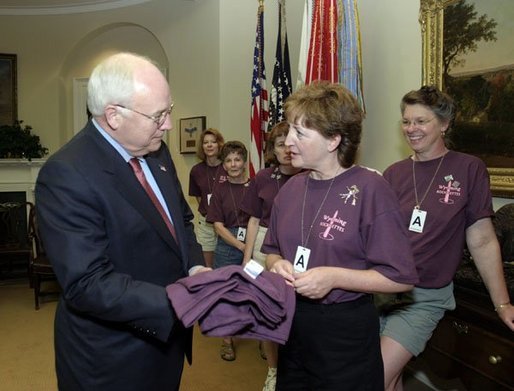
(391, 44)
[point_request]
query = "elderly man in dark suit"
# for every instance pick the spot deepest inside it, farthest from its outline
(116, 243)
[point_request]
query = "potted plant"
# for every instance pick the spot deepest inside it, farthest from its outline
(17, 142)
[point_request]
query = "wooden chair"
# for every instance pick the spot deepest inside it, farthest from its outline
(15, 243)
(40, 267)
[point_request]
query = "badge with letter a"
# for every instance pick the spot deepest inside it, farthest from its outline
(301, 259)
(417, 220)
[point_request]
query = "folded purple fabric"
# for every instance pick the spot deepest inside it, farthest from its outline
(227, 302)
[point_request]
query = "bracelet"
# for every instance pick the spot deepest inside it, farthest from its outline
(500, 306)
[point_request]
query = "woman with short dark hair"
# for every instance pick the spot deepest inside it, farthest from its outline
(336, 236)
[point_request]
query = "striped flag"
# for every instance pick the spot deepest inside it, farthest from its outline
(330, 46)
(259, 108)
(350, 58)
(304, 43)
(323, 48)
(281, 82)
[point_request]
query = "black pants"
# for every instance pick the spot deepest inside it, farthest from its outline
(332, 347)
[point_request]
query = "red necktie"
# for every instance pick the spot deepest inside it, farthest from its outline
(140, 175)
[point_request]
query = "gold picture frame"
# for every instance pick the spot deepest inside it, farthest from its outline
(431, 18)
(190, 131)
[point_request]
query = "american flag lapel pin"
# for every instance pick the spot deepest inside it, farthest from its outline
(162, 167)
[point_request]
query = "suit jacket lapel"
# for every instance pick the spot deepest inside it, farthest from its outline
(126, 183)
(164, 179)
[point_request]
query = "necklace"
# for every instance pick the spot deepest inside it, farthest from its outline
(276, 174)
(304, 242)
(418, 202)
(236, 208)
(208, 170)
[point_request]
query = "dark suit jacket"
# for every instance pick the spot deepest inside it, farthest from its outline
(113, 256)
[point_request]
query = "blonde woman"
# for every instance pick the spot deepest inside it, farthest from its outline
(203, 179)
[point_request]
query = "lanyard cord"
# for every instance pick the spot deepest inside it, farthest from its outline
(304, 242)
(236, 209)
(418, 203)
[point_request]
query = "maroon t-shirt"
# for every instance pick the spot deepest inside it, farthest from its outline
(203, 179)
(458, 197)
(352, 222)
(225, 205)
(261, 193)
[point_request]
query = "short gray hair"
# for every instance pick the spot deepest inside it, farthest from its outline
(112, 82)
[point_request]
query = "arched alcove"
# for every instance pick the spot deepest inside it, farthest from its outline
(90, 50)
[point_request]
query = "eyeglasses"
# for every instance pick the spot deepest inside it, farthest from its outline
(159, 119)
(417, 122)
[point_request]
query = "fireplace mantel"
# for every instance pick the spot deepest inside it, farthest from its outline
(20, 175)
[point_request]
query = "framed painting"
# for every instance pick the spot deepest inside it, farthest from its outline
(468, 51)
(8, 89)
(190, 131)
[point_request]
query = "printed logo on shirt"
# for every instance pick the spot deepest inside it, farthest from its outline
(449, 190)
(276, 174)
(351, 195)
(331, 224)
(222, 178)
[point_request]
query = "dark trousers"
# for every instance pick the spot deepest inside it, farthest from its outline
(332, 347)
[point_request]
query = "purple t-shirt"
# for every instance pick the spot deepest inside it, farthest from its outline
(458, 197)
(356, 225)
(261, 193)
(225, 205)
(203, 179)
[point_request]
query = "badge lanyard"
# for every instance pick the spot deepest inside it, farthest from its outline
(241, 231)
(301, 259)
(418, 217)
(211, 187)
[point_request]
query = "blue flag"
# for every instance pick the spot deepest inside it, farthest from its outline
(281, 82)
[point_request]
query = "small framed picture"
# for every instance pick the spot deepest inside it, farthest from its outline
(190, 131)
(8, 89)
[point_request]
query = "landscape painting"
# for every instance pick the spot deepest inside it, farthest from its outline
(478, 72)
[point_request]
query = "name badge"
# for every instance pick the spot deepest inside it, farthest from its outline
(241, 234)
(209, 199)
(417, 220)
(253, 269)
(301, 259)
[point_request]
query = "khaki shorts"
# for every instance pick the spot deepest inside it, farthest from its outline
(410, 318)
(257, 255)
(205, 234)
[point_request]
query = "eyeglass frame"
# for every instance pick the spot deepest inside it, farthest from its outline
(158, 120)
(416, 122)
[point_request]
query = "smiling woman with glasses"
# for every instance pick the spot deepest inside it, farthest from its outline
(446, 203)
(159, 119)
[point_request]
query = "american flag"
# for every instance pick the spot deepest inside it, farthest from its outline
(281, 82)
(259, 109)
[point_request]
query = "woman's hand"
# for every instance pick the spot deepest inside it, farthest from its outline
(314, 283)
(284, 268)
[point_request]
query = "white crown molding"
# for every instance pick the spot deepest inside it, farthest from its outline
(90, 6)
